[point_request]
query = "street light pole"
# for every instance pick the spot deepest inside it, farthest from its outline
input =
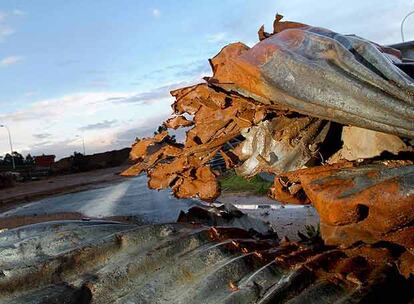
(11, 145)
(83, 143)
(402, 24)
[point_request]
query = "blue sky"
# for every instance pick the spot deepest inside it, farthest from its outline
(102, 69)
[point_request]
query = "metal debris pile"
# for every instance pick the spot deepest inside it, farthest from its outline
(331, 115)
(106, 262)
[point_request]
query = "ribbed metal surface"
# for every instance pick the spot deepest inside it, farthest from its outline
(323, 74)
(107, 262)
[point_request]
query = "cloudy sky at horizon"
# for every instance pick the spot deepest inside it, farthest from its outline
(103, 69)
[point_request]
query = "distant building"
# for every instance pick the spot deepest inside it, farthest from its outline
(44, 161)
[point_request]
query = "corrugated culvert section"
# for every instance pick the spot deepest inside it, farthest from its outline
(109, 262)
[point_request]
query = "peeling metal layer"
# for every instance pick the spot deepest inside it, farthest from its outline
(107, 262)
(217, 118)
(178, 122)
(281, 145)
(287, 187)
(264, 94)
(226, 215)
(253, 92)
(368, 203)
(320, 73)
(284, 143)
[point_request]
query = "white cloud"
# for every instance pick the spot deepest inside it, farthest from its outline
(10, 60)
(375, 20)
(3, 16)
(64, 107)
(156, 13)
(30, 93)
(50, 126)
(217, 37)
(5, 31)
(156, 94)
(106, 124)
(99, 83)
(18, 12)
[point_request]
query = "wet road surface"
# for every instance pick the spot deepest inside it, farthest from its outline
(132, 201)
(129, 198)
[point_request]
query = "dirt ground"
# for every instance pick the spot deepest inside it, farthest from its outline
(30, 191)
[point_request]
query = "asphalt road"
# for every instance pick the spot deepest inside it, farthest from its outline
(128, 198)
(131, 200)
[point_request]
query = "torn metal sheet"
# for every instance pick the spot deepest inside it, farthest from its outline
(254, 91)
(107, 262)
(264, 94)
(287, 187)
(226, 215)
(147, 152)
(178, 122)
(366, 203)
(320, 73)
(218, 117)
(280, 145)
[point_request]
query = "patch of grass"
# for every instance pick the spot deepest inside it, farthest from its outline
(233, 182)
(311, 235)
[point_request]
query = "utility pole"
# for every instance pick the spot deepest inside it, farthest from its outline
(402, 25)
(83, 144)
(11, 145)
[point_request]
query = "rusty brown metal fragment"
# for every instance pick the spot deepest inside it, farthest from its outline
(177, 122)
(139, 148)
(230, 158)
(323, 74)
(262, 34)
(366, 203)
(218, 117)
(352, 195)
(281, 145)
(287, 187)
(292, 96)
(406, 264)
(279, 26)
(147, 152)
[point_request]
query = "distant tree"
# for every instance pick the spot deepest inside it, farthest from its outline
(18, 159)
(79, 162)
(7, 160)
(6, 157)
(168, 138)
(160, 129)
(29, 160)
